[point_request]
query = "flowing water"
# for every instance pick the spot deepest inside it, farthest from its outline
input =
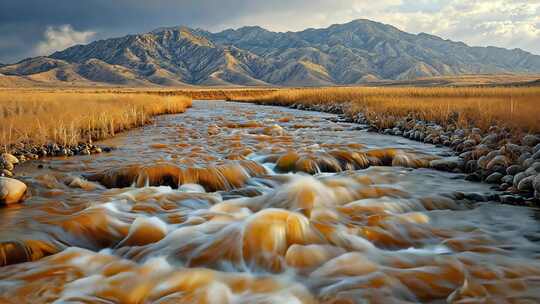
(238, 203)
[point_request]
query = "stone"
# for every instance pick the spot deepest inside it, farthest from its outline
(85, 151)
(6, 165)
(534, 168)
(514, 169)
(490, 140)
(6, 157)
(526, 184)
(446, 164)
(536, 148)
(500, 160)
(536, 155)
(518, 177)
(483, 161)
(530, 140)
(528, 162)
(507, 179)
(12, 191)
(494, 178)
(523, 157)
(6, 173)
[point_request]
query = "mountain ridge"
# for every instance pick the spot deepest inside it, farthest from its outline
(342, 54)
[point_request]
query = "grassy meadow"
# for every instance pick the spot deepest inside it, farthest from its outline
(482, 107)
(68, 118)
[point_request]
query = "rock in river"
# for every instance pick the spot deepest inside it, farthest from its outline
(11, 190)
(6, 157)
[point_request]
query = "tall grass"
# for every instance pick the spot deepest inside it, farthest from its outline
(515, 108)
(69, 118)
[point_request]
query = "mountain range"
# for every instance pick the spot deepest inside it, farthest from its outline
(344, 54)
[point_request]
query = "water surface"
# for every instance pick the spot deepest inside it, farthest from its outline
(239, 203)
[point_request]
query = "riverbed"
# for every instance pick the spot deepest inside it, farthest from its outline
(241, 203)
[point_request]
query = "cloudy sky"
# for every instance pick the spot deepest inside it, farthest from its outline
(40, 27)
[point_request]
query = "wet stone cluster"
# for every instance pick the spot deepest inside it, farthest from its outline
(511, 163)
(21, 153)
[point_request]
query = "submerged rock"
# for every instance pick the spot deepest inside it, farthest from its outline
(12, 191)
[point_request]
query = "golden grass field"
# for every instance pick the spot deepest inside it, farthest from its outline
(482, 107)
(69, 118)
(79, 115)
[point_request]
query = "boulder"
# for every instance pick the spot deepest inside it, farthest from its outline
(12, 191)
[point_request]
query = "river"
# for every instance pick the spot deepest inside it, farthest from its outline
(241, 203)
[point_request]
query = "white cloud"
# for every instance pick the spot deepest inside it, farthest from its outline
(504, 23)
(61, 37)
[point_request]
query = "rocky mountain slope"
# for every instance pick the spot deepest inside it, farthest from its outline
(356, 52)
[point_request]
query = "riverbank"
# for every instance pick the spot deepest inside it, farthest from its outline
(57, 123)
(494, 131)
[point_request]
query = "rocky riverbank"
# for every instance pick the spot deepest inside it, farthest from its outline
(21, 153)
(511, 163)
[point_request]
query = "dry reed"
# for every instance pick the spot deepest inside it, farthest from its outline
(515, 108)
(71, 118)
